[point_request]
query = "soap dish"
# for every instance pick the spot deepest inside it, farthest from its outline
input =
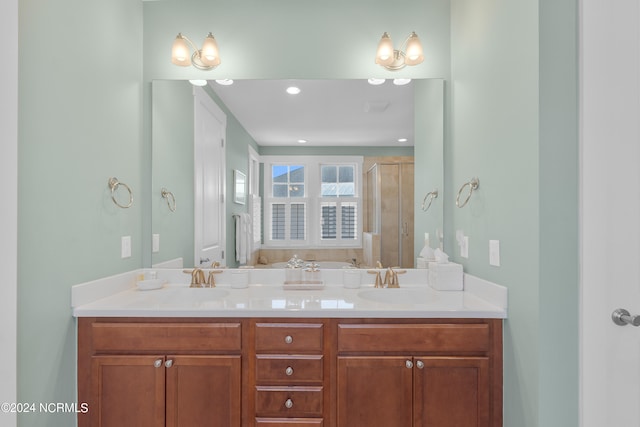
(150, 284)
(311, 285)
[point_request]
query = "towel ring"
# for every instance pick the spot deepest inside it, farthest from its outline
(431, 195)
(473, 185)
(113, 185)
(170, 198)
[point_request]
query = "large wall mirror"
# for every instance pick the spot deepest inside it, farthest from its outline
(394, 133)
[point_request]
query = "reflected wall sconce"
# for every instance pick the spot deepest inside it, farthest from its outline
(206, 58)
(410, 53)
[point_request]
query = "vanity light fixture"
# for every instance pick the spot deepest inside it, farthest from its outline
(396, 59)
(206, 58)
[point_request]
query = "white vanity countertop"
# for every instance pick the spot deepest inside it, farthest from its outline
(108, 298)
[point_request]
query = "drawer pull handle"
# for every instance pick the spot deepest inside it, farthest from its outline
(168, 363)
(289, 371)
(420, 364)
(289, 403)
(288, 339)
(408, 364)
(157, 363)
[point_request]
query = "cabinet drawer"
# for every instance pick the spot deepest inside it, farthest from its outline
(289, 337)
(414, 337)
(165, 337)
(278, 369)
(289, 402)
(289, 422)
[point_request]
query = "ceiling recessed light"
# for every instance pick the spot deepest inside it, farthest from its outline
(225, 82)
(302, 141)
(198, 82)
(402, 140)
(376, 82)
(293, 90)
(401, 82)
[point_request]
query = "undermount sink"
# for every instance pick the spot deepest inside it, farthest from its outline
(398, 295)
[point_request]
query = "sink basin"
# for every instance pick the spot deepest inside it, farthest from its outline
(398, 296)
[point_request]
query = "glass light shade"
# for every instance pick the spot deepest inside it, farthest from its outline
(384, 55)
(180, 53)
(413, 54)
(209, 55)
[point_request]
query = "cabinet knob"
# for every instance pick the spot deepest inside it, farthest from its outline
(168, 363)
(289, 371)
(157, 363)
(289, 403)
(288, 339)
(408, 364)
(420, 364)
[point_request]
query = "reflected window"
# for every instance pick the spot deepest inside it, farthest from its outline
(313, 202)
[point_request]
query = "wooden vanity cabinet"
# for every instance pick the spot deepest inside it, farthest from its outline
(159, 373)
(269, 372)
(427, 374)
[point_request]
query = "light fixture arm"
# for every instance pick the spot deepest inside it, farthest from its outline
(188, 40)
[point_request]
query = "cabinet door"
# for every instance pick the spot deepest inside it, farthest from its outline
(375, 391)
(203, 391)
(451, 392)
(127, 391)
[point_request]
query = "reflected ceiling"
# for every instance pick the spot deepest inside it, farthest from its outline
(324, 113)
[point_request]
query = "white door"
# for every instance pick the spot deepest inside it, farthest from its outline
(209, 176)
(610, 210)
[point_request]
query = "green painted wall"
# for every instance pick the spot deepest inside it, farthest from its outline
(494, 136)
(80, 107)
(429, 156)
(512, 122)
(172, 124)
(283, 39)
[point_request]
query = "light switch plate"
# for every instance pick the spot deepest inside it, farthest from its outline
(464, 248)
(494, 253)
(155, 245)
(125, 247)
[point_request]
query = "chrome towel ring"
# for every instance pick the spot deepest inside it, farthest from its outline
(113, 185)
(430, 196)
(170, 198)
(473, 185)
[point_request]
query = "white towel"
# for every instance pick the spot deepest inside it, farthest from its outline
(243, 237)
